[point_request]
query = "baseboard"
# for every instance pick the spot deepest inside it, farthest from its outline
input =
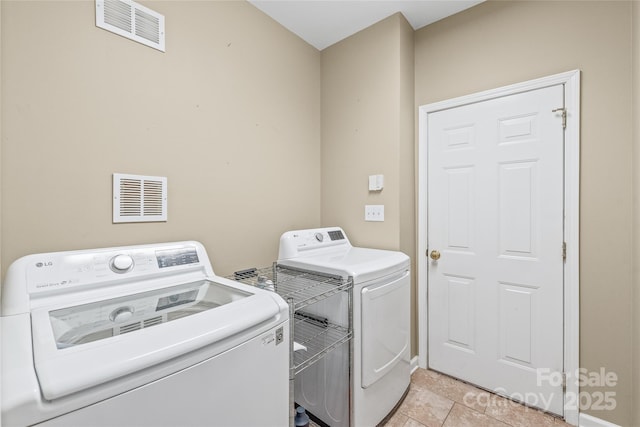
(414, 364)
(591, 421)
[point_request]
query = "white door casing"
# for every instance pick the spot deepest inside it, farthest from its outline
(497, 309)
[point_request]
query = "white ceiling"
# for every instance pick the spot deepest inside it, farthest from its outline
(322, 23)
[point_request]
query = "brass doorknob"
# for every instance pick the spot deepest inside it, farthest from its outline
(435, 255)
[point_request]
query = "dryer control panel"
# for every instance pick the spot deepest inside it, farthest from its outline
(294, 243)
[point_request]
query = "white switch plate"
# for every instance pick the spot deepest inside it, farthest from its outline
(374, 212)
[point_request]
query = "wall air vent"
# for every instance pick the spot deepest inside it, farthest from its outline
(131, 20)
(139, 198)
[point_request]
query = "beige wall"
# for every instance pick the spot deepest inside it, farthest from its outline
(367, 128)
(408, 171)
(361, 90)
(636, 213)
(499, 43)
(230, 114)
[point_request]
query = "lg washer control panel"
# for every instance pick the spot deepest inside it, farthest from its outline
(66, 270)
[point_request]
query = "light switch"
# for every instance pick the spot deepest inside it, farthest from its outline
(376, 182)
(374, 212)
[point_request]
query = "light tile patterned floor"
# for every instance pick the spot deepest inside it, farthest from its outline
(436, 400)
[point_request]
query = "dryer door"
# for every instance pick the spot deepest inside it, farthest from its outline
(385, 326)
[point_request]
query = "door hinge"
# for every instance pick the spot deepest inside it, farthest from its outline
(564, 251)
(563, 111)
(564, 382)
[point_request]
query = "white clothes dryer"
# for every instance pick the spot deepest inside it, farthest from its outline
(140, 336)
(381, 328)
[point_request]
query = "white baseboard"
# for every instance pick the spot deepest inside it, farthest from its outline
(591, 421)
(414, 364)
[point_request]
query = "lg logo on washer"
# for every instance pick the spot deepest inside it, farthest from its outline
(44, 264)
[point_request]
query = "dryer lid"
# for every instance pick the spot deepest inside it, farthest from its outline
(363, 264)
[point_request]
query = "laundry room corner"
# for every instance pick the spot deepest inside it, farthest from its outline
(368, 128)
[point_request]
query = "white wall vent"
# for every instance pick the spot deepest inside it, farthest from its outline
(131, 20)
(139, 198)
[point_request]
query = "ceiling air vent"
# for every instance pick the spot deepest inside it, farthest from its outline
(131, 20)
(139, 198)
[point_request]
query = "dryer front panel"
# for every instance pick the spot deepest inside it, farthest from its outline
(385, 326)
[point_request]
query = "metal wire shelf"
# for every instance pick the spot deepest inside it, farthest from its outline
(305, 287)
(301, 288)
(319, 339)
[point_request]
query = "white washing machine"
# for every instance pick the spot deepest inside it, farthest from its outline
(381, 326)
(140, 336)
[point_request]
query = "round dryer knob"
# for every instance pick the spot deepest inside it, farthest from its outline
(121, 263)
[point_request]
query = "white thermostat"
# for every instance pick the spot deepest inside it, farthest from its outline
(376, 182)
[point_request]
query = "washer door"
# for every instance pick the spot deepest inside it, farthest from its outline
(385, 326)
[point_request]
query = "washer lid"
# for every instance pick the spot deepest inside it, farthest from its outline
(100, 320)
(363, 264)
(86, 345)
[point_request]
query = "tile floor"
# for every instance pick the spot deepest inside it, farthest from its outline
(436, 400)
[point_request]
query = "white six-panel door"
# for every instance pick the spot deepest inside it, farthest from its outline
(495, 216)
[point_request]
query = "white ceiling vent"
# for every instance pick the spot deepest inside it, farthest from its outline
(139, 198)
(131, 20)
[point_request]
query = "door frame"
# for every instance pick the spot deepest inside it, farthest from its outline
(571, 81)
